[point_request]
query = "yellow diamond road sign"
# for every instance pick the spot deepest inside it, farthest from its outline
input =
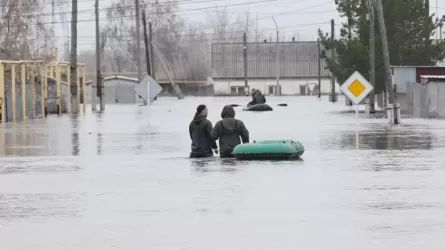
(356, 88)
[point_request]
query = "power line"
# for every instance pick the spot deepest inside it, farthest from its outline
(130, 38)
(45, 3)
(269, 17)
(127, 7)
(132, 16)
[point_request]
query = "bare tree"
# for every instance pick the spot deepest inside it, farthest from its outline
(227, 27)
(196, 54)
(23, 31)
(185, 50)
(167, 33)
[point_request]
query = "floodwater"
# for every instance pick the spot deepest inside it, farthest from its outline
(123, 180)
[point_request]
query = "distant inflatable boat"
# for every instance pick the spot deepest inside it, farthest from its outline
(269, 150)
(258, 107)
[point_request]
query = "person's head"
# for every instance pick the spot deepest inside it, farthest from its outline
(202, 110)
(228, 112)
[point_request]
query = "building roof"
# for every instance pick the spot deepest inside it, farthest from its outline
(109, 78)
(404, 66)
(432, 78)
(130, 79)
(297, 60)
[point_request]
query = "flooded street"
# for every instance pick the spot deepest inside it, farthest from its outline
(123, 180)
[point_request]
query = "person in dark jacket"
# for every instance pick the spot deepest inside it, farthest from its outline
(228, 131)
(257, 98)
(200, 129)
(251, 103)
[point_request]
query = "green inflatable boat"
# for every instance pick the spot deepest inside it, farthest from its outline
(258, 107)
(269, 150)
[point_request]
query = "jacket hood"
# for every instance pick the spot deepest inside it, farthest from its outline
(198, 118)
(258, 93)
(228, 112)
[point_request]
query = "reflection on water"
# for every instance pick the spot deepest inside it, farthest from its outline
(123, 179)
(383, 138)
(213, 164)
(39, 205)
(75, 134)
(99, 134)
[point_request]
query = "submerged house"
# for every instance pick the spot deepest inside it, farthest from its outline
(117, 89)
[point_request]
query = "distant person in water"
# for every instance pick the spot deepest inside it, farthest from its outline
(230, 132)
(257, 98)
(253, 98)
(200, 129)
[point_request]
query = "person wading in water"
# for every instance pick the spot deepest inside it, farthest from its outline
(200, 129)
(228, 131)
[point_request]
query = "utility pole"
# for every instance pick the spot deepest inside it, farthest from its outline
(99, 87)
(440, 27)
(138, 40)
(319, 68)
(392, 108)
(152, 55)
(348, 15)
(246, 84)
(147, 56)
(73, 59)
(333, 94)
(349, 34)
(371, 55)
(277, 62)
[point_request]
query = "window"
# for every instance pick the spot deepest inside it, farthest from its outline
(241, 91)
(233, 90)
(271, 89)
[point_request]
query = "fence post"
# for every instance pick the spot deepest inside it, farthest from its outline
(84, 91)
(68, 88)
(2, 95)
(13, 95)
(42, 70)
(33, 92)
(24, 116)
(58, 90)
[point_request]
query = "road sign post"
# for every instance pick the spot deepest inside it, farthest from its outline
(311, 87)
(148, 89)
(356, 88)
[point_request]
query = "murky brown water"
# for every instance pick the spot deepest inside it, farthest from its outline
(122, 180)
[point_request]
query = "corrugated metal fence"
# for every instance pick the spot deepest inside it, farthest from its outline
(417, 100)
(297, 59)
(426, 100)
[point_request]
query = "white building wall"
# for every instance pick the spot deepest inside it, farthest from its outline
(288, 86)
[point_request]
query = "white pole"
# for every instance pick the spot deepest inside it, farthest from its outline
(356, 128)
(277, 62)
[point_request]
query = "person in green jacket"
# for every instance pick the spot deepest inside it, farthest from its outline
(229, 131)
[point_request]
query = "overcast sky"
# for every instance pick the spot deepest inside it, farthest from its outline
(298, 18)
